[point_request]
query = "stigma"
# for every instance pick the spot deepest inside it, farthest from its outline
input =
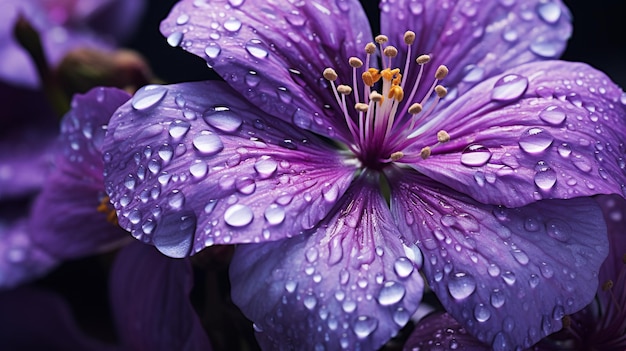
(381, 106)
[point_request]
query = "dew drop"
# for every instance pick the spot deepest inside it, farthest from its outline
(236, 3)
(199, 169)
(497, 298)
(564, 150)
(182, 19)
(232, 25)
(535, 140)
(509, 277)
(510, 35)
(330, 192)
(274, 214)
(291, 286)
(546, 48)
(520, 256)
(175, 39)
(553, 115)
(212, 50)
(266, 166)
(475, 155)
(207, 143)
(391, 293)
(165, 153)
(309, 301)
(364, 326)
(403, 267)
(545, 177)
(245, 185)
(461, 285)
(252, 79)
(509, 87)
(176, 199)
(482, 313)
(401, 317)
(223, 119)
(238, 215)
(174, 233)
(148, 96)
(178, 129)
(531, 224)
(256, 48)
(549, 12)
(302, 119)
(558, 229)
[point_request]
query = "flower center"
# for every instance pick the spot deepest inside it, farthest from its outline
(388, 116)
(107, 208)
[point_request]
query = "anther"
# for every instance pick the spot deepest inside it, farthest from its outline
(608, 285)
(361, 107)
(396, 92)
(370, 48)
(443, 136)
(441, 91)
(344, 89)
(330, 74)
(442, 72)
(390, 51)
(355, 62)
(409, 37)
(415, 108)
(381, 39)
(425, 153)
(396, 156)
(422, 59)
(376, 97)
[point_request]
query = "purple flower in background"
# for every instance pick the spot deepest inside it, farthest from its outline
(149, 296)
(63, 25)
(71, 216)
(344, 179)
(599, 326)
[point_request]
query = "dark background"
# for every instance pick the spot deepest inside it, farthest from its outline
(598, 39)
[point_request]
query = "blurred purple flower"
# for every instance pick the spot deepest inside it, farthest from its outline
(63, 25)
(69, 216)
(599, 326)
(149, 296)
(341, 205)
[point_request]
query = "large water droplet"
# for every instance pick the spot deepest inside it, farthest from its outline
(482, 313)
(549, 12)
(174, 233)
(232, 25)
(256, 48)
(199, 169)
(497, 298)
(558, 229)
(553, 115)
(175, 39)
(207, 143)
(309, 301)
(212, 50)
(330, 192)
(274, 214)
(403, 267)
(245, 185)
(364, 326)
(475, 155)
(302, 119)
(266, 166)
(178, 129)
(391, 293)
(461, 285)
(545, 177)
(238, 215)
(252, 79)
(223, 119)
(148, 96)
(535, 140)
(545, 48)
(509, 87)
(520, 256)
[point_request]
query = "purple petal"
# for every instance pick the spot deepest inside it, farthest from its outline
(560, 135)
(65, 218)
(150, 298)
(20, 259)
(38, 320)
(274, 53)
(476, 40)
(440, 331)
(507, 275)
(348, 283)
(192, 165)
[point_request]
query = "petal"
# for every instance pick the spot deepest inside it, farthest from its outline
(38, 320)
(203, 167)
(507, 275)
(20, 259)
(150, 299)
(347, 283)
(441, 331)
(65, 218)
(477, 40)
(274, 54)
(560, 135)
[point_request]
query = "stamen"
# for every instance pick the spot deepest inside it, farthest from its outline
(422, 59)
(390, 51)
(396, 156)
(106, 208)
(355, 62)
(376, 97)
(441, 73)
(361, 107)
(443, 136)
(415, 108)
(381, 39)
(330, 74)
(344, 89)
(409, 37)
(425, 153)
(441, 91)
(370, 48)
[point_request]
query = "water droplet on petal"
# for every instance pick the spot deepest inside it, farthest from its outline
(403, 267)
(199, 169)
(178, 129)
(330, 192)
(175, 39)
(549, 12)
(509, 87)
(232, 25)
(391, 293)
(535, 140)
(235, 3)
(510, 35)
(558, 229)
(553, 115)
(545, 177)
(252, 79)
(497, 298)
(309, 301)
(302, 119)
(212, 50)
(545, 48)
(364, 326)
(475, 155)
(266, 166)
(238, 215)
(275, 214)
(221, 118)
(482, 313)
(207, 143)
(174, 234)
(256, 48)
(461, 285)
(148, 96)
(520, 256)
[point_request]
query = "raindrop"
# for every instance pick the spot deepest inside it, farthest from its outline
(520, 256)
(481, 313)
(275, 214)
(509, 277)
(199, 169)
(311, 254)
(531, 224)
(176, 199)
(148, 96)
(302, 119)
(549, 12)
(348, 306)
(245, 185)
(558, 229)
(182, 19)
(475, 155)
(473, 73)
(223, 119)
(235, 3)
(564, 150)
(461, 285)
(238, 215)
(165, 153)
(364, 326)
(266, 166)
(553, 115)
(401, 316)
(510, 35)
(493, 270)
(309, 301)
(545, 177)
(497, 298)
(545, 48)
(546, 270)
(403, 267)
(291, 286)
(413, 253)
(533, 281)
(175, 39)
(330, 192)
(256, 48)
(207, 143)
(178, 129)
(252, 79)
(174, 234)
(535, 140)
(391, 293)
(232, 25)
(509, 87)
(212, 50)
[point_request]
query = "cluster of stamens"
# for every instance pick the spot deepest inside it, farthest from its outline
(388, 120)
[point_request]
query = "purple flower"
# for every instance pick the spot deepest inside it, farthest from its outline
(342, 194)
(149, 296)
(601, 325)
(63, 25)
